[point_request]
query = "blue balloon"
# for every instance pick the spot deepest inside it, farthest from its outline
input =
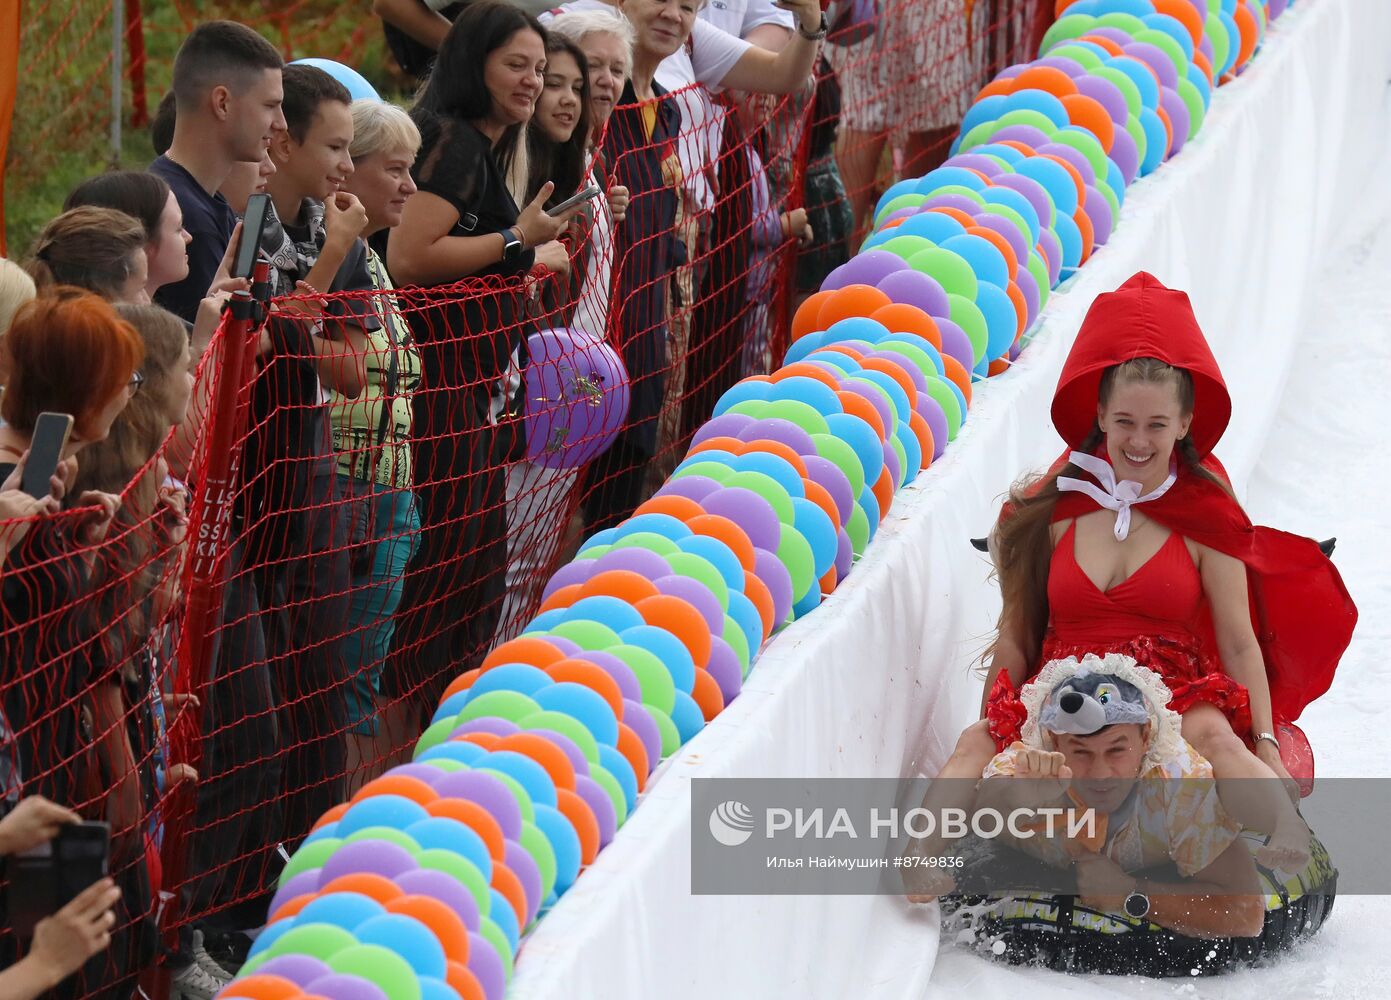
(719, 554)
(358, 87)
(861, 438)
(584, 704)
(605, 537)
(322, 833)
(667, 648)
(1234, 34)
(1011, 198)
(617, 765)
(661, 524)
(983, 256)
(775, 467)
(1001, 321)
(801, 348)
(537, 784)
(1007, 153)
(741, 392)
(1156, 141)
(271, 933)
(436, 989)
(502, 914)
(1055, 180)
(460, 750)
(565, 842)
(843, 363)
(545, 621)
(520, 677)
(341, 909)
(1140, 75)
(902, 187)
(605, 610)
(987, 109)
(746, 618)
(811, 523)
(935, 180)
(1172, 27)
(1071, 239)
(1041, 101)
(870, 505)
(911, 449)
(922, 344)
(1115, 180)
(819, 396)
(810, 601)
(709, 455)
(407, 937)
(932, 226)
(394, 811)
(685, 714)
(878, 238)
(451, 835)
(855, 328)
(892, 389)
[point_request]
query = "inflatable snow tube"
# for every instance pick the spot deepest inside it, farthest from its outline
(1057, 932)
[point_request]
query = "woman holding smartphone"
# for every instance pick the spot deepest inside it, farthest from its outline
(463, 222)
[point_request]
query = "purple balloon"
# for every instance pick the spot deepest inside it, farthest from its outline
(639, 721)
(571, 748)
(1117, 35)
(576, 398)
(643, 562)
(296, 885)
(1071, 67)
(444, 887)
(867, 268)
(424, 772)
(1276, 8)
(1126, 155)
(574, 572)
(567, 647)
(876, 399)
(777, 429)
(724, 668)
(1052, 254)
(828, 476)
(338, 986)
(1107, 94)
(486, 724)
(725, 425)
(488, 791)
(1205, 46)
(486, 965)
(891, 462)
(696, 594)
(1015, 350)
(769, 568)
(957, 201)
(845, 554)
(692, 487)
(898, 213)
(599, 802)
(1033, 191)
(1024, 278)
(913, 371)
(1010, 72)
(1098, 209)
(974, 161)
(523, 865)
(1018, 241)
(1156, 59)
(615, 668)
(1177, 111)
(936, 418)
(914, 288)
(298, 969)
(955, 342)
(1026, 134)
(1073, 156)
(751, 513)
(380, 857)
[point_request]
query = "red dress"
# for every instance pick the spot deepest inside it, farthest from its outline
(1151, 616)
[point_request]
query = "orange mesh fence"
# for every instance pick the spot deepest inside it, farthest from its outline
(379, 485)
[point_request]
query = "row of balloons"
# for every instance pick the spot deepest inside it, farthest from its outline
(421, 886)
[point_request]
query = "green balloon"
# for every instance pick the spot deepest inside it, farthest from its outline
(650, 540)
(1128, 23)
(250, 966)
(492, 933)
(804, 415)
(1129, 91)
(613, 789)
(921, 360)
(858, 529)
(843, 457)
(1078, 54)
(1066, 28)
(738, 642)
(589, 635)
(961, 189)
(391, 973)
(950, 269)
(446, 764)
(978, 136)
(1088, 145)
(902, 457)
(1193, 101)
(794, 553)
(1027, 116)
(671, 738)
(905, 246)
(900, 201)
(398, 837)
(1004, 165)
(541, 852)
(1039, 270)
(967, 315)
(565, 725)
(436, 734)
(509, 705)
(311, 855)
(717, 471)
(941, 392)
(888, 400)
(768, 488)
(1171, 48)
(1137, 133)
(1216, 33)
(653, 677)
(514, 786)
(461, 869)
(321, 941)
(1113, 201)
(703, 571)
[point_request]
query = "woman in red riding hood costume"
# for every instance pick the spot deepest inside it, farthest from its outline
(1133, 543)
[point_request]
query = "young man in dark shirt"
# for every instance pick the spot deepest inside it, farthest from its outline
(227, 91)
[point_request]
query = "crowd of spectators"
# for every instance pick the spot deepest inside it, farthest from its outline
(388, 525)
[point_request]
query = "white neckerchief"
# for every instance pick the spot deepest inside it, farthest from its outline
(1113, 495)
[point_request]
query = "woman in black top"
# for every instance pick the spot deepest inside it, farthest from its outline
(463, 223)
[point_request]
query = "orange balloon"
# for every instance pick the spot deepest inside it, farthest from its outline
(1072, 172)
(958, 374)
(1201, 61)
(1060, 6)
(893, 223)
(804, 321)
(562, 598)
(821, 496)
(900, 317)
(447, 927)
(461, 683)
(828, 582)
(592, 676)
(332, 815)
(1185, 13)
(291, 907)
(488, 741)
(1046, 78)
(523, 649)
(369, 884)
(998, 367)
(1250, 33)
(551, 758)
(1101, 40)
(682, 620)
(1003, 86)
(474, 816)
(894, 371)
(680, 508)
(1000, 243)
(1023, 147)
(458, 976)
(756, 378)
(725, 530)
(581, 817)
(953, 213)
(1168, 131)
(922, 430)
(506, 882)
(398, 784)
(845, 349)
(779, 449)
(850, 301)
(623, 584)
(1092, 115)
(1084, 225)
(630, 746)
(264, 987)
(706, 695)
(762, 599)
(732, 445)
(857, 406)
(807, 371)
(883, 490)
(1021, 307)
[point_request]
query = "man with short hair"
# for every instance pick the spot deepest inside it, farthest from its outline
(227, 92)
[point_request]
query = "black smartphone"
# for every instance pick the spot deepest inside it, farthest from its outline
(252, 225)
(46, 878)
(586, 195)
(51, 431)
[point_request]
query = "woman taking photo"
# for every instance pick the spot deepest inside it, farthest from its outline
(464, 223)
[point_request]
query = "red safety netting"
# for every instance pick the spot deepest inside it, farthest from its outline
(348, 555)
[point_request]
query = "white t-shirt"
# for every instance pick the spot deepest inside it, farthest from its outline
(739, 17)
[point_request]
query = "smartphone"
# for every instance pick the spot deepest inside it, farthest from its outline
(46, 878)
(588, 194)
(252, 225)
(50, 437)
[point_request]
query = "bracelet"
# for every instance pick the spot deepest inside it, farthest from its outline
(1266, 736)
(311, 290)
(818, 34)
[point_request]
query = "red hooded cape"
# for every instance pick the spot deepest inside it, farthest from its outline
(1302, 614)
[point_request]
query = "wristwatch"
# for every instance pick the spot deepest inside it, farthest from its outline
(818, 34)
(512, 246)
(1137, 904)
